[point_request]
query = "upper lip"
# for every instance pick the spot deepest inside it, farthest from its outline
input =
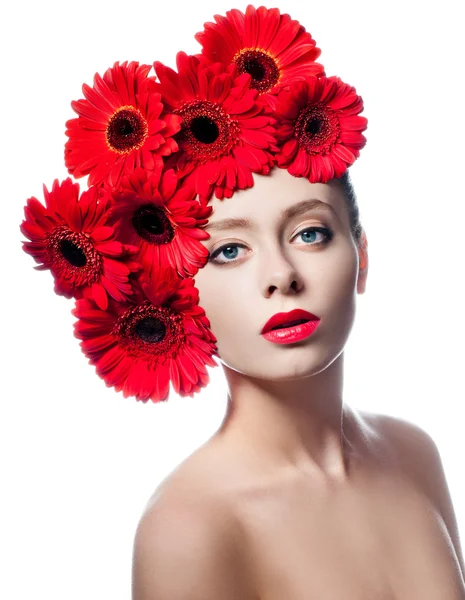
(283, 318)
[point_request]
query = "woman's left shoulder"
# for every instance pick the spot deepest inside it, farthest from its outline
(418, 454)
(407, 444)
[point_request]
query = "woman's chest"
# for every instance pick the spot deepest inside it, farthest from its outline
(382, 543)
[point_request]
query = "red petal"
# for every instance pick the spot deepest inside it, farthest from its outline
(101, 233)
(100, 296)
(113, 248)
(174, 375)
(247, 157)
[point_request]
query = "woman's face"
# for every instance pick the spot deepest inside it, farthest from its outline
(276, 265)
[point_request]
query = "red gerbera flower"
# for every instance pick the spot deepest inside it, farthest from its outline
(163, 219)
(226, 134)
(121, 125)
(319, 130)
(140, 348)
(271, 47)
(72, 238)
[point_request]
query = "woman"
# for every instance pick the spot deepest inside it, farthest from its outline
(297, 495)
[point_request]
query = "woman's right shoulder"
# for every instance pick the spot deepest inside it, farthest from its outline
(188, 528)
(191, 482)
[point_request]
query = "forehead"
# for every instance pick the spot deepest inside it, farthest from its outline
(272, 194)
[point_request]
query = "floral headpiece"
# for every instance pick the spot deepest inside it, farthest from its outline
(156, 149)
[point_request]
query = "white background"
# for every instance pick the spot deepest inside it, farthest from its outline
(79, 461)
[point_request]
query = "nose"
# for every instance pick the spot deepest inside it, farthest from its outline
(277, 272)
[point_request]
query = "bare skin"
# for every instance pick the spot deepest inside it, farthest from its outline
(315, 501)
(379, 535)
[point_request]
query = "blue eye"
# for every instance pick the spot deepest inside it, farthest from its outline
(311, 231)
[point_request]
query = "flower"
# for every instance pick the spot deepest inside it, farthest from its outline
(226, 134)
(271, 47)
(71, 237)
(121, 124)
(319, 130)
(162, 218)
(139, 348)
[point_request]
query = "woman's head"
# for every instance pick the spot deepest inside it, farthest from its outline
(279, 263)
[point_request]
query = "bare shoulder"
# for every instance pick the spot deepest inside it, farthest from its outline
(397, 433)
(399, 428)
(408, 446)
(196, 479)
(188, 544)
(417, 453)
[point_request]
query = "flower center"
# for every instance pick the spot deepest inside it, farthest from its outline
(72, 253)
(126, 130)
(260, 65)
(317, 129)
(74, 256)
(206, 130)
(152, 224)
(150, 332)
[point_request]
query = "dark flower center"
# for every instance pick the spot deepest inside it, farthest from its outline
(150, 330)
(204, 130)
(152, 224)
(126, 130)
(207, 131)
(73, 254)
(317, 128)
(313, 126)
(260, 65)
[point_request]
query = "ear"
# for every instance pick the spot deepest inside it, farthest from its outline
(363, 266)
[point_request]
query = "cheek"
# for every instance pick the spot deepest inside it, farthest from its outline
(341, 270)
(225, 307)
(206, 295)
(338, 282)
(346, 277)
(220, 290)
(215, 299)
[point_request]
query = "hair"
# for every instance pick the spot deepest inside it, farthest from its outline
(352, 206)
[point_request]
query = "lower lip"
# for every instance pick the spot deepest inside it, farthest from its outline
(287, 335)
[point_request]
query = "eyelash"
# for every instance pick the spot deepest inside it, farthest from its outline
(327, 232)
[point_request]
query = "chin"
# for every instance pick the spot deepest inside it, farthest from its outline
(280, 368)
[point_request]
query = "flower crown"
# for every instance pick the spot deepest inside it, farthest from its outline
(156, 149)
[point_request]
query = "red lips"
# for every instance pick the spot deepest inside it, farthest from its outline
(287, 318)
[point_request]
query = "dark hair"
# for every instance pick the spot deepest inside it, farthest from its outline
(352, 206)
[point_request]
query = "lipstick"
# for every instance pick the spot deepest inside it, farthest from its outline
(286, 328)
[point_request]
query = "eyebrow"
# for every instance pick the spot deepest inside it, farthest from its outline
(288, 213)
